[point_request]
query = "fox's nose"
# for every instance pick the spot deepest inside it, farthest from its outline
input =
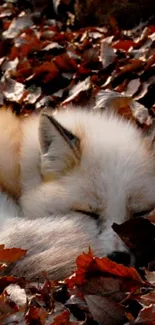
(120, 257)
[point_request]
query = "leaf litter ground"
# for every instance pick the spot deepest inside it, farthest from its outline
(47, 62)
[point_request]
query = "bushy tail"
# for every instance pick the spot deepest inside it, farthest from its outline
(53, 244)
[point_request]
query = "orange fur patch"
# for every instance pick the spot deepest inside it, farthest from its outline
(10, 142)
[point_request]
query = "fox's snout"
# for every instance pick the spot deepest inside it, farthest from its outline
(114, 248)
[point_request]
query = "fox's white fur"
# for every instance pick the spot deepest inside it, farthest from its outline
(77, 163)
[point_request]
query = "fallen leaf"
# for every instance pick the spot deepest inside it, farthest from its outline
(64, 319)
(124, 45)
(13, 90)
(17, 25)
(140, 113)
(150, 276)
(132, 87)
(33, 93)
(10, 255)
(5, 281)
(35, 315)
(16, 295)
(88, 264)
(81, 87)
(5, 307)
(146, 316)
(124, 105)
(105, 311)
(139, 235)
(107, 54)
(147, 299)
(47, 71)
(133, 65)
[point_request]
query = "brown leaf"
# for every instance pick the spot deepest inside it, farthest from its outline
(150, 276)
(105, 311)
(139, 235)
(66, 62)
(64, 319)
(5, 307)
(30, 45)
(147, 299)
(106, 286)
(146, 316)
(47, 70)
(36, 316)
(132, 65)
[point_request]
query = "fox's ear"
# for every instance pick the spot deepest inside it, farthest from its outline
(60, 149)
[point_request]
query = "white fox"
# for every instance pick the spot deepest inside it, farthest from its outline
(72, 175)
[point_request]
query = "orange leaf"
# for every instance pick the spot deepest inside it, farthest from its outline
(108, 266)
(88, 265)
(10, 255)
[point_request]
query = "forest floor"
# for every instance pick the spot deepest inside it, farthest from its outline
(46, 61)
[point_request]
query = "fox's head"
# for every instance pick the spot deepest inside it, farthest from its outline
(94, 164)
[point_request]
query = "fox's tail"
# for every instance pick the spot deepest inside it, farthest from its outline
(52, 244)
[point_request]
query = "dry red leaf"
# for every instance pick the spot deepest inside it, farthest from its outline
(64, 319)
(10, 255)
(65, 62)
(107, 266)
(47, 70)
(124, 45)
(88, 264)
(132, 65)
(35, 316)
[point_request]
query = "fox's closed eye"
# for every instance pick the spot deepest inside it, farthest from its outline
(89, 213)
(142, 213)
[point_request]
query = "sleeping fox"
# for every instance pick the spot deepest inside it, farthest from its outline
(65, 179)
